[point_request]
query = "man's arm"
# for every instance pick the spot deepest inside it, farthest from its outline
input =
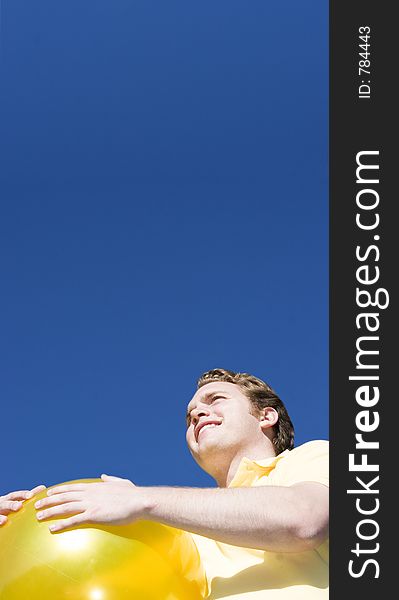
(279, 519)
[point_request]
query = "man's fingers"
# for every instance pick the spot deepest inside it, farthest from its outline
(23, 494)
(20, 495)
(58, 499)
(13, 501)
(105, 477)
(7, 506)
(71, 487)
(66, 523)
(71, 508)
(36, 490)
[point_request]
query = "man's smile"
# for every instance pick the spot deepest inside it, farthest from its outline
(208, 423)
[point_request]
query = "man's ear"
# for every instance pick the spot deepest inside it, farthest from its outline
(268, 418)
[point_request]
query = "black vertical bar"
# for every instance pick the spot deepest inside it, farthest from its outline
(363, 120)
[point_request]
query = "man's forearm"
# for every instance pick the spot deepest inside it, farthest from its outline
(279, 519)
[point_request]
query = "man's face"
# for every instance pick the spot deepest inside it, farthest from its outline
(220, 423)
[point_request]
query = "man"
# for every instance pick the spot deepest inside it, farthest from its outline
(263, 532)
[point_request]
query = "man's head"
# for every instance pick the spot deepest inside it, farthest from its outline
(233, 411)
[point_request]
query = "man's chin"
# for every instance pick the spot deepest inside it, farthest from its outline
(207, 452)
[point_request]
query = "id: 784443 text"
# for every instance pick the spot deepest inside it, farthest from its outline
(364, 62)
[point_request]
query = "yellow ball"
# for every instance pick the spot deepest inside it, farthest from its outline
(142, 561)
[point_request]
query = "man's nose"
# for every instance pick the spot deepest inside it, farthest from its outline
(197, 413)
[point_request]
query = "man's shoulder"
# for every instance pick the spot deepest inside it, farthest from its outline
(307, 462)
(314, 446)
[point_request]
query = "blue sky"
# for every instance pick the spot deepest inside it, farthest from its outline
(164, 211)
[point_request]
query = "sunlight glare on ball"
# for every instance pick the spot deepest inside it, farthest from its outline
(73, 541)
(97, 594)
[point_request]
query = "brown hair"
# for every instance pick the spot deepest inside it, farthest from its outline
(261, 395)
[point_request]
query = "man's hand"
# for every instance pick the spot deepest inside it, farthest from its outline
(13, 501)
(113, 501)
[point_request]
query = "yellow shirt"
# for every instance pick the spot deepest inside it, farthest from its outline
(247, 574)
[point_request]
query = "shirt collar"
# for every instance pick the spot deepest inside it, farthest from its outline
(249, 470)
